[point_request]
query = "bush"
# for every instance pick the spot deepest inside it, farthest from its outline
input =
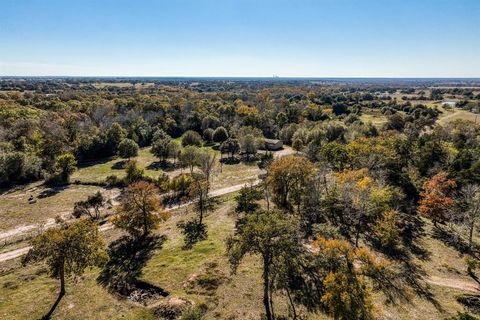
(220, 134)
(195, 313)
(19, 167)
(127, 149)
(191, 138)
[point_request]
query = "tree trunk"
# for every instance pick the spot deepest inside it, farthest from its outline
(292, 304)
(266, 291)
(145, 225)
(60, 295)
(470, 236)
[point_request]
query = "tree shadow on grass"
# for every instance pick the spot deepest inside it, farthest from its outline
(119, 165)
(454, 240)
(161, 165)
(52, 191)
(121, 275)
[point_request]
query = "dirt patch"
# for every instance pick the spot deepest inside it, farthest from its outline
(172, 308)
(140, 292)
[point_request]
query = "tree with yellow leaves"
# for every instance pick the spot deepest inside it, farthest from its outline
(363, 200)
(288, 177)
(346, 293)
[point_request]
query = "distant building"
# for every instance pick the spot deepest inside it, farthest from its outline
(273, 144)
(449, 103)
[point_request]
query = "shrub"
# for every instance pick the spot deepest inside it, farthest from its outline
(127, 149)
(191, 138)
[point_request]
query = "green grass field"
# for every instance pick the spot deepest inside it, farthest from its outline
(456, 114)
(15, 209)
(224, 176)
(28, 292)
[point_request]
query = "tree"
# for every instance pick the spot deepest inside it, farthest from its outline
(346, 294)
(139, 211)
(248, 145)
(127, 149)
(115, 134)
(220, 135)
(210, 122)
(387, 230)
(247, 199)
(65, 165)
(208, 135)
(195, 230)
(339, 108)
(207, 161)
(336, 155)
(189, 157)
(271, 235)
(468, 206)
(133, 172)
(191, 138)
(94, 202)
(68, 251)
(434, 202)
(288, 178)
(230, 146)
(160, 148)
(362, 200)
(174, 150)
(297, 144)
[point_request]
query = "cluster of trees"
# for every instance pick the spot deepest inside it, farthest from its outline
(331, 224)
(349, 197)
(91, 122)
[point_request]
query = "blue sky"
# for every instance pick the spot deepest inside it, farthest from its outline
(297, 38)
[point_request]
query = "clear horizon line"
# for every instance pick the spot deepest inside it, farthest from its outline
(237, 77)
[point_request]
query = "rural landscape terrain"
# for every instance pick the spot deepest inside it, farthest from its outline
(239, 198)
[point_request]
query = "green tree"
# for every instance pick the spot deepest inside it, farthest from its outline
(230, 146)
(220, 135)
(94, 202)
(288, 177)
(188, 158)
(208, 135)
(68, 251)
(271, 235)
(115, 134)
(128, 149)
(133, 172)
(191, 138)
(65, 165)
(247, 199)
(161, 148)
(248, 145)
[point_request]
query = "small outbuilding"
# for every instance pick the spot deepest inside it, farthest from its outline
(273, 144)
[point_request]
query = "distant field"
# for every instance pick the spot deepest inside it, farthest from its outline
(123, 85)
(452, 115)
(225, 175)
(377, 120)
(15, 209)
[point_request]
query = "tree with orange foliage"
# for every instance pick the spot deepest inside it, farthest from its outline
(140, 211)
(435, 203)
